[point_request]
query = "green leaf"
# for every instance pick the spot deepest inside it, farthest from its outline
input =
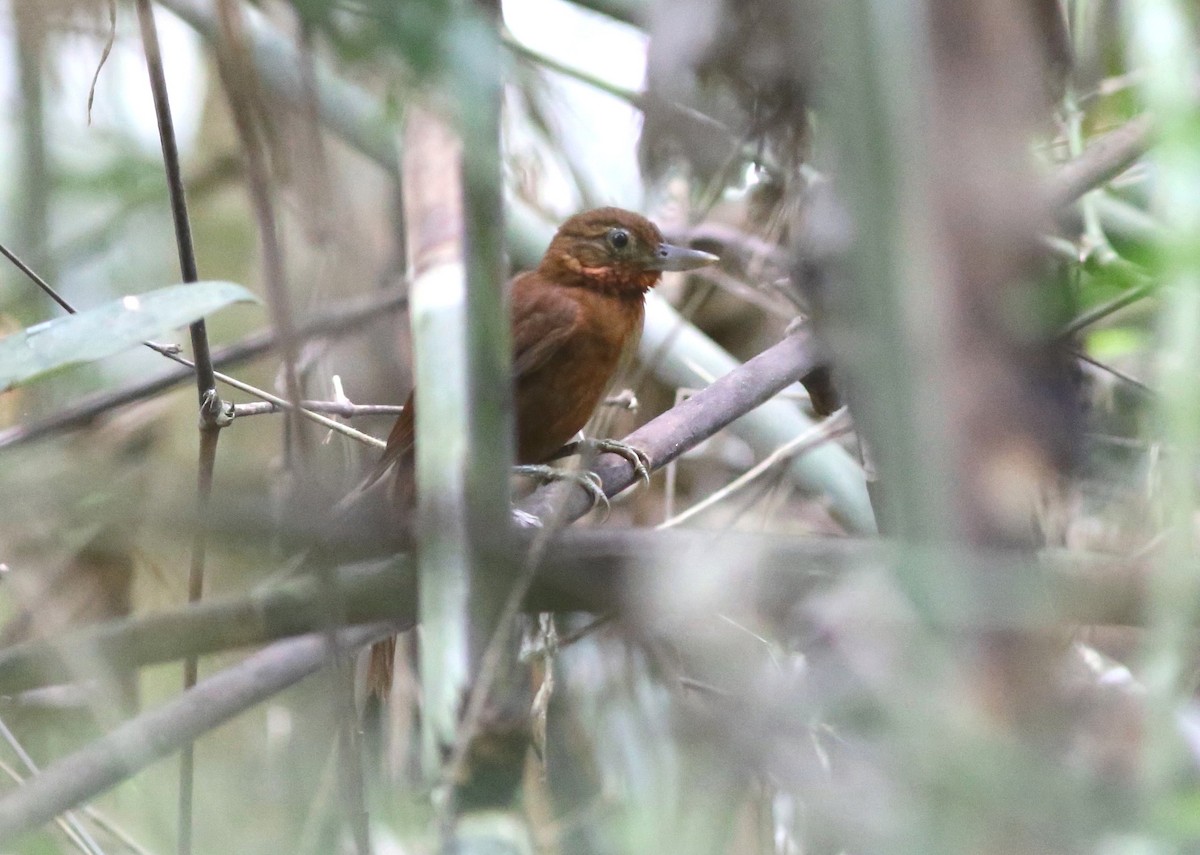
(96, 333)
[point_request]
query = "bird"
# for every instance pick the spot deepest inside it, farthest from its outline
(573, 317)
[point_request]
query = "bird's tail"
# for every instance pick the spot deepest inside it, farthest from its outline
(380, 668)
(398, 465)
(401, 501)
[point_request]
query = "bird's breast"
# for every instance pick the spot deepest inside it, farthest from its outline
(556, 401)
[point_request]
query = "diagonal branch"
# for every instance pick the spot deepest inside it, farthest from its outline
(686, 425)
(1107, 157)
(143, 739)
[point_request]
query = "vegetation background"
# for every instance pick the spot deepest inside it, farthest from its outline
(955, 615)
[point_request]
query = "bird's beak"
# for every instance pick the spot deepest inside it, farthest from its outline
(669, 257)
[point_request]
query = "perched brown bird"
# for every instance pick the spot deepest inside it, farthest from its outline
(572, 318)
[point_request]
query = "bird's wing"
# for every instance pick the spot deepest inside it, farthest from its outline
(547, 319)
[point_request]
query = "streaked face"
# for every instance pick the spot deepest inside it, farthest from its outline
(618, 248)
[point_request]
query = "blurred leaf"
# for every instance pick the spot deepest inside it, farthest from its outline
(1115, 342)
(1179, 814)
(108, 329)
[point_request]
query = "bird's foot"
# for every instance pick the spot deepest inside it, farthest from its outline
(636, 457)
(586, 479)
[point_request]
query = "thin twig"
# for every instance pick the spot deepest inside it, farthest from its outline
(837, 424)
(1093, 231)
(275, 400)
(1116, 372)
(623, 400)
(747, 293)
(205, 381)
(701, 686)
(122, 836)
(639, 100)
(1099, 313)
(626, 11)
(212, 418)
(191, 666)
(41, 283)
(1137, 284)
(342, 409)
(734, 245)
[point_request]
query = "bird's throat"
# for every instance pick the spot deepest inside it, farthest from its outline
(620, 281)
(611, 280)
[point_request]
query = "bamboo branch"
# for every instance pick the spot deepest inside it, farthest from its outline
(439, 316)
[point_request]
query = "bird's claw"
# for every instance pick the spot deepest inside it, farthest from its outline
(585, 478)
(638, 459)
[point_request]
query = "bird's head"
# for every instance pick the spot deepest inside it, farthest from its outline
(616, 251)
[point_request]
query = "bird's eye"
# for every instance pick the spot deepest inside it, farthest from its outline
(618, 238)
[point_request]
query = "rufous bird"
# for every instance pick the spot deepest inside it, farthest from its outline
(572, 319)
